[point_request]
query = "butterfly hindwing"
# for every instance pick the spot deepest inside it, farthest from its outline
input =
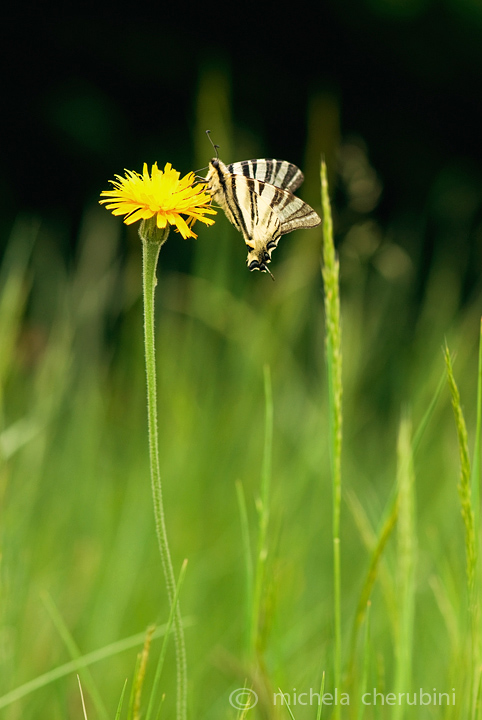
(291, 211)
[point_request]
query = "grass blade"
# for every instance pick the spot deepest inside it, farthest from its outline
(75, 654)
(366, 663)
(77, 664)
(322, 691)
(82, 698)
(162, 654)
(286, 702)
(372, 573)
(121, 702)
(418, 434)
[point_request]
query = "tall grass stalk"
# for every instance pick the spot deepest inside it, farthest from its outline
(330, 272)
(475, 486)
(248, 563)
(263, 513)
(406, 558)
(471, 549)
(150, 255)
(475, 483)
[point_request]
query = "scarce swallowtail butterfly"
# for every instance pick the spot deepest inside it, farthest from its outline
(257, 197)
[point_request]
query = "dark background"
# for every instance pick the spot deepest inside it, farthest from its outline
(90, 91)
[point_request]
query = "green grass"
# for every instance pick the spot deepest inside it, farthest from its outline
(247, 461)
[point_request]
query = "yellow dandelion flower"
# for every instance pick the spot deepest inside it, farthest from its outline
(160, 194)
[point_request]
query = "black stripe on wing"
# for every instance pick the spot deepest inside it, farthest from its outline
(280, 173)
(294, 213)
(303, 217)
(237, 205)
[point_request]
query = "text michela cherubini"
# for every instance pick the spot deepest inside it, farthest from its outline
(372, 697)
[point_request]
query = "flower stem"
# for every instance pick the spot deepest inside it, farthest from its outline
(150, 255)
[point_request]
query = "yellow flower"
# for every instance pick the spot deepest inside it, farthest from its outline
(162, 195)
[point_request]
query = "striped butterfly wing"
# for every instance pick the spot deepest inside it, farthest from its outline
(255, 216)
(279, 173)
(291, 211)
(259, 224)
(263, 213)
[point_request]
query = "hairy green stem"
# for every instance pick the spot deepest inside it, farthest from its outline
(150, 255)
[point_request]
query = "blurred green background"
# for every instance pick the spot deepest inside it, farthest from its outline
(389, 92)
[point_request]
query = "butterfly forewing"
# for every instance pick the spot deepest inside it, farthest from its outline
(280, 173)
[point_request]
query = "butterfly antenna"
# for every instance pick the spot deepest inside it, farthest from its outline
(216, 147)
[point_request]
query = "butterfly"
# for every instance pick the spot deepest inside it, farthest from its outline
(257, 198)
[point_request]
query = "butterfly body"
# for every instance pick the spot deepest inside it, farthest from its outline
(257, 198)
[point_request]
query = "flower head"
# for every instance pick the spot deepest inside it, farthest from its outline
(160, 194)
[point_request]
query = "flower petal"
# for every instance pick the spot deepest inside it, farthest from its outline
(162, 194)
